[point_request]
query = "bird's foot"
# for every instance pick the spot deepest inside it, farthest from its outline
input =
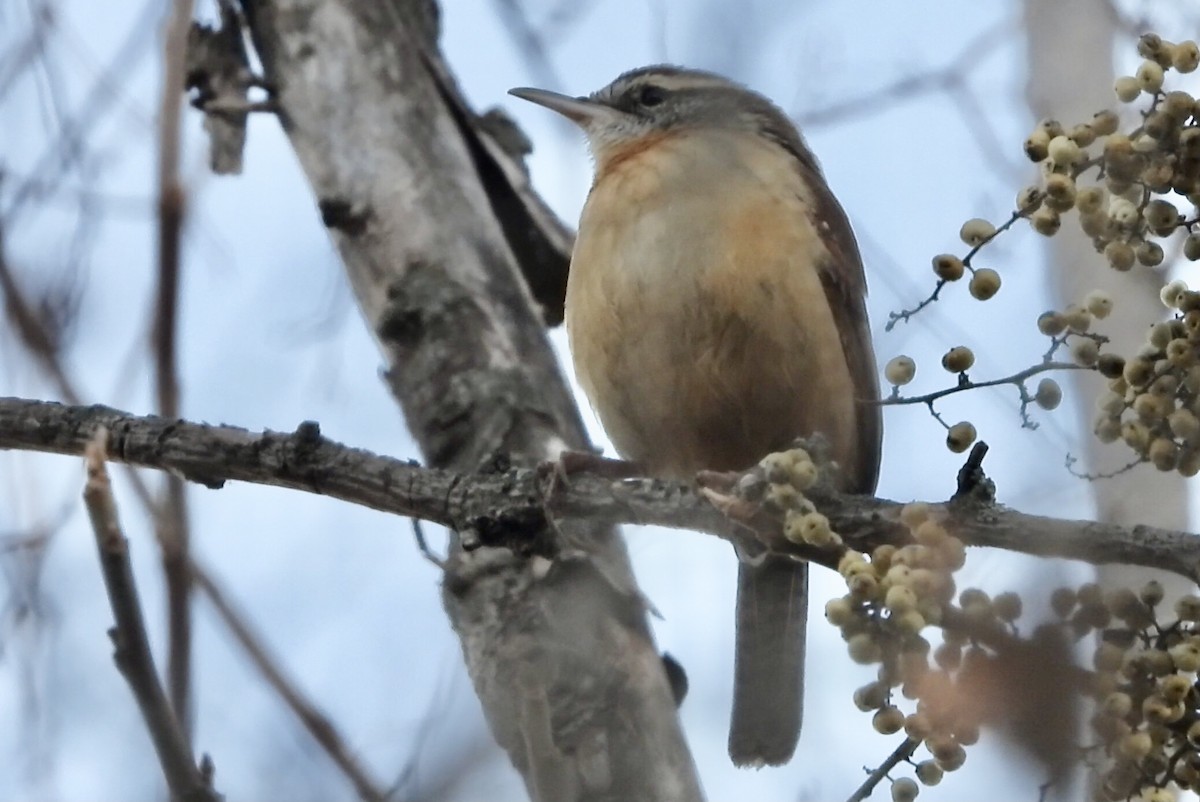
(571, 462)
(557, 473)
(605, 466)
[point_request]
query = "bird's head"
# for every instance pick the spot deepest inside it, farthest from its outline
(662, 100)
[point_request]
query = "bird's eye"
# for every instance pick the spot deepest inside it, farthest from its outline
(651, 95)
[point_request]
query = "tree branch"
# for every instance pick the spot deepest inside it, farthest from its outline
(319, 725)
(485, 505)
(902, 753)
(132, 647)
(171, 518)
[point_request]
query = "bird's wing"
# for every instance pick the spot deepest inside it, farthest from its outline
(845, 285)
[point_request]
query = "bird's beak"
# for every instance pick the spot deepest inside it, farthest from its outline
(579, 110)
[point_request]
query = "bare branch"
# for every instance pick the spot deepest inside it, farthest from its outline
(316, 722)
(905, 315)
(93, 110)
(501, 508)
(530, 42)
(35, 336)
(952, 78)
(132, 647)
(902, 753)
(423, 545)
(218, 69)
(39, 344)
(171, 522)
(1017, 379)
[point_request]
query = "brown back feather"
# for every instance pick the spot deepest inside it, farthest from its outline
(845, 286)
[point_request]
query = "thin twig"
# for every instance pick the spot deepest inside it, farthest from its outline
(132, 647)
(905, 315)
(529, 42)
(91, 113)
(953, 73)
(961, 386)
(1071, 461)
(40, 345)
(951, 79)
(903, 752)
(423, 545)
(318, 725)
(33, 333)
(80, 194)
(172, 520)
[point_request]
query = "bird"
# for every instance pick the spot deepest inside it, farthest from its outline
(716, 312)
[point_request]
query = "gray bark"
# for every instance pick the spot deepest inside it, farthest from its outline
(517, 507)
(419, 196)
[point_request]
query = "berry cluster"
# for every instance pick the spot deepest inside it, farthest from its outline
(1152, 403)
(1144, 683)
(893, 594)
(1125, 208)
(1143, 680)
(789, 474)
(1127, 189)
(1072, 327)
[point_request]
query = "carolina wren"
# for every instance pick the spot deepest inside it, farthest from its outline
(716, 312)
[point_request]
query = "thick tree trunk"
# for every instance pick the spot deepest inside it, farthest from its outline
(558, 648)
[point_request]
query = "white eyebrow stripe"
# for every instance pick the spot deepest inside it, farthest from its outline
(674, 82)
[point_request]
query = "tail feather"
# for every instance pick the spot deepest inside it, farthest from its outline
(768, 690)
